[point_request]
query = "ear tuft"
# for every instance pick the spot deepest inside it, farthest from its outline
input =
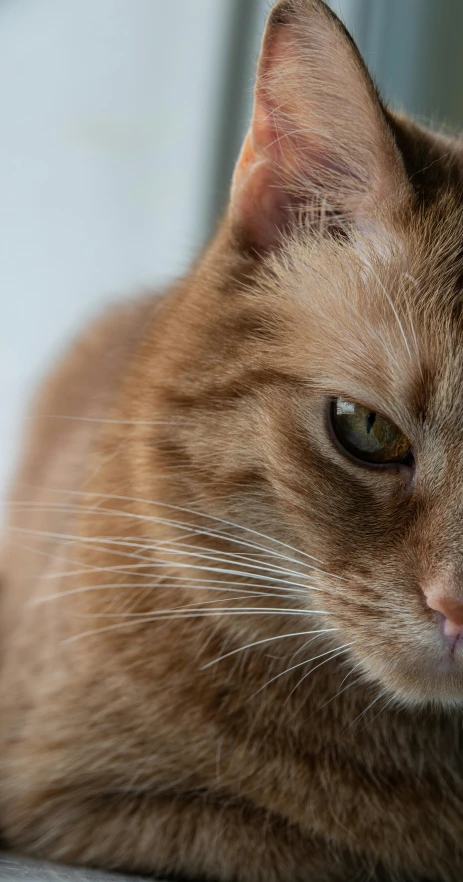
(319, 145)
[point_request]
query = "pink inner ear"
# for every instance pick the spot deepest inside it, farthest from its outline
(318, 138)
(260, 202)
(270, 189)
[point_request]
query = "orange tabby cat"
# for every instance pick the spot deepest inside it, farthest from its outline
(232, 622)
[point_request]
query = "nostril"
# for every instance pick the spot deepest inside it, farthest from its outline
(451, 609)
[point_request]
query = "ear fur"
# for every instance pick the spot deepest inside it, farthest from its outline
(319, 144)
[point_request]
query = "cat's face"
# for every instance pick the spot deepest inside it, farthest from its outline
(349, 317)
(364, 447)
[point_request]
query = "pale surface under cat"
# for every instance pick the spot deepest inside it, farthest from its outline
(232, 579)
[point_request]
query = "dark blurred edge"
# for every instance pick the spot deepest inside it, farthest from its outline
(236, 103)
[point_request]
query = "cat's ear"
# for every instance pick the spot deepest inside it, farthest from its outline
(318, 143)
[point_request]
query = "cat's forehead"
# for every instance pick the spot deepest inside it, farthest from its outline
(379, 319)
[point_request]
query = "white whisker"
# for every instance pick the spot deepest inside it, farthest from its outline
(169, 615)
(306, 662)
(215, 587)
(199, 584)
(84, 419)
(265, 640)
(338, 651)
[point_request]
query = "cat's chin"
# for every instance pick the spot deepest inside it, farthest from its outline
(434, 678)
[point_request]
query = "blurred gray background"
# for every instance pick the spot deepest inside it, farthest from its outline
(120, 122)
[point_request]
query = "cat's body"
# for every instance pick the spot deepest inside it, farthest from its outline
(243, 680)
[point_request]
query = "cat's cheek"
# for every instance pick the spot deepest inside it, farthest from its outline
(393, 485)
(398, 481)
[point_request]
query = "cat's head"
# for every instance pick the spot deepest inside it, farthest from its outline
(321, 361)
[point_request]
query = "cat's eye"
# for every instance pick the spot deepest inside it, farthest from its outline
(368, 435)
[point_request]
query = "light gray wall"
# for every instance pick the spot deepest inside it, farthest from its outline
(414, 50)
(109, 116)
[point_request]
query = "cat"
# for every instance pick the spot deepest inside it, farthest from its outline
(232, 597)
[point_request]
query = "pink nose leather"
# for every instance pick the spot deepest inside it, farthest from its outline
(451, 609)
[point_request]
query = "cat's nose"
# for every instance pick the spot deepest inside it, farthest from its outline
(450, 608)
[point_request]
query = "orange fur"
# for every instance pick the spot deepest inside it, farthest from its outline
(217, 659)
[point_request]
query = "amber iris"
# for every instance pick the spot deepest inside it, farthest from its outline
(368, 435)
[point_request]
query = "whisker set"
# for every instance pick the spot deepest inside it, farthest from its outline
(255, 567)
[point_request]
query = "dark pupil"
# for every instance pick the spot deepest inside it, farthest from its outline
(370, 421)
